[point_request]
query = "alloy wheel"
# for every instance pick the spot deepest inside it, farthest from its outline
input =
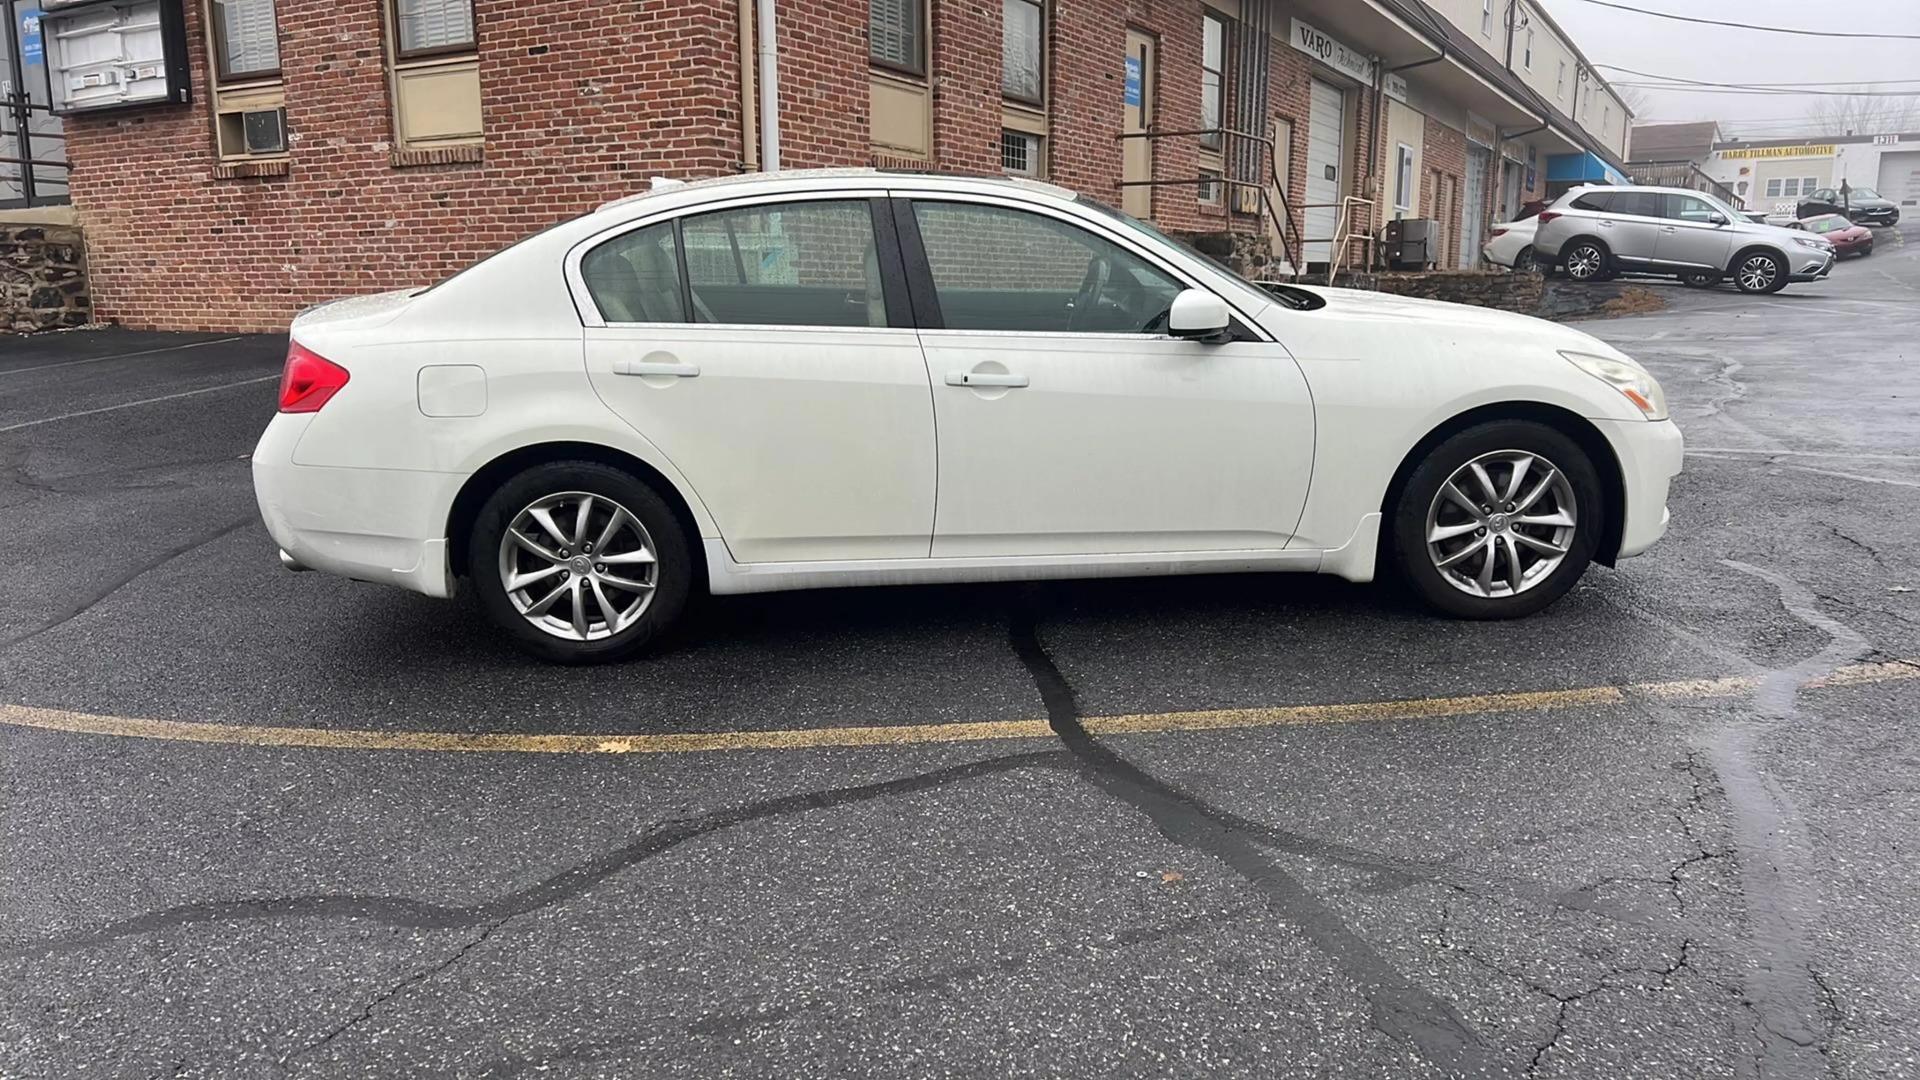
(1585, 263)
(578, 566)
(1502, 523)
(1758, 273)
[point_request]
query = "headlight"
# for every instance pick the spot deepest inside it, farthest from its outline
(1808, 241)
(1629, 378)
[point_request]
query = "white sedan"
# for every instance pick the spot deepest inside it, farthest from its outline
(1511, 245)
(834, 378)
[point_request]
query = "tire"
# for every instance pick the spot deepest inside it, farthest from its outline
(643, 599)
(1751, 277)
(1462, 590)
(1587, 260)
(1700, 279)
(1523, 262)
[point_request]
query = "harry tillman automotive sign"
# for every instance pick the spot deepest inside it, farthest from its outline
(1777, 151)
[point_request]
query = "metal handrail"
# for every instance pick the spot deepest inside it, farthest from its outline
(1288, 231)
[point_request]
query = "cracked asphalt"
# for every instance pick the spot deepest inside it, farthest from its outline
(1652, 885)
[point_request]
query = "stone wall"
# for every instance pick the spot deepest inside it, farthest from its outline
(43, 278)
(1528, 294)
(1494, 289)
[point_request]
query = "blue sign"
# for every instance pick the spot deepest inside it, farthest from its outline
(1131, 94)
(33, 49)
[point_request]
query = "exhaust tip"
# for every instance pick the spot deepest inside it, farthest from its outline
(292, 563)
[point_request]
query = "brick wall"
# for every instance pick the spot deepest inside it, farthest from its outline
(1444, 156)
(580, 103)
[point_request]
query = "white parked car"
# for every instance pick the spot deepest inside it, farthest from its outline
(860, 378)
(1511, 245)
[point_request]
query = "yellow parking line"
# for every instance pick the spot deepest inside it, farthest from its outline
(1432, 708)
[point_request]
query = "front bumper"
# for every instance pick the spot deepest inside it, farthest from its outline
(1651, 454)
(381, 525)
(1811, 265)
(1880, 218)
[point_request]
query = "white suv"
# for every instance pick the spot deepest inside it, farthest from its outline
(1597, 232)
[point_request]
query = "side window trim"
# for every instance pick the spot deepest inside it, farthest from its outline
(919, 272)
(926, 303)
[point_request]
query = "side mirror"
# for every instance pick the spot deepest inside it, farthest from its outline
(1717, 219)
(1199, 315)
(1796, 225)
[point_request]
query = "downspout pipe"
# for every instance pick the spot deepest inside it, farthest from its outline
(749, 123)
(769, 39)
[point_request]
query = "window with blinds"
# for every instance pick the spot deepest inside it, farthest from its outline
(426, 27)
(896, 34)
(1213, 77)
(1020, 50)
(246, 39)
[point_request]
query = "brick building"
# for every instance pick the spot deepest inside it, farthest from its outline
(340, 146)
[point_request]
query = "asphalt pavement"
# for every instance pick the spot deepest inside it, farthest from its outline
(1231, 826)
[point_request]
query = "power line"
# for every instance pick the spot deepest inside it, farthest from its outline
(1753, 86)
(1750, 26)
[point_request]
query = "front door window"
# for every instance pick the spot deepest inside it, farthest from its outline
(1001, 269)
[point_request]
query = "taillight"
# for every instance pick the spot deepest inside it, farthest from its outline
(1548, 215)
(309, 381)
(1499, 230)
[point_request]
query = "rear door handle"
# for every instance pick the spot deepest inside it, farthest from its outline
(1606, 224)
(984, 378)
(654, 367)
(1668, 229)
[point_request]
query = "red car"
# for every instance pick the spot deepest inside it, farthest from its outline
(1846, 237)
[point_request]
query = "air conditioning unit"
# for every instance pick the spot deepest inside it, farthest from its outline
(1412, 243)
(266, 130)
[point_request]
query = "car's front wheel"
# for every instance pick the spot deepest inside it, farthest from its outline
(1587, 260)
(580, 562)
(1761, 272)
(1498, 521)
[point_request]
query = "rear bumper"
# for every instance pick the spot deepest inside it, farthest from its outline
(381, 525)
(1651, 455)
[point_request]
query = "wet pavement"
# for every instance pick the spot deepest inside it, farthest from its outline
(1656, 875)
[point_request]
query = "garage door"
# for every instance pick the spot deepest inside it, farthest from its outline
(1900, 177)
(1326, 125)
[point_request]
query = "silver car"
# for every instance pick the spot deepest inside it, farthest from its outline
(1597, 232)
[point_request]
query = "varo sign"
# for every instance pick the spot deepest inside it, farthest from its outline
(1331, 52)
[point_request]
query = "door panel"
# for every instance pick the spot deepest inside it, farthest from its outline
(1057, 441)
(1137, 95)
(1689, 238)
(1631, 226)
(805, 442)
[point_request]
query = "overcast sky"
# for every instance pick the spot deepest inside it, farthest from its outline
(1723, 54)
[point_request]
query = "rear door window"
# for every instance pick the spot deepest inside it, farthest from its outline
(792, 264)
(1597, 201)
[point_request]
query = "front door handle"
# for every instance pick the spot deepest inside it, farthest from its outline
(984, 378)
(655, 367)
(1668, 229)
(1606, 224)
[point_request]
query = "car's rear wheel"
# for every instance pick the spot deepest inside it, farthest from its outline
(1587, 260)
(580, 562)
(1700, 279)
(1761, 272)
(1499, 521)
(1523, 262)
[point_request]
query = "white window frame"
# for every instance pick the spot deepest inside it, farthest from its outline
(1210, 18)
(1403, 179)
(1486, 18)
(1036, 149)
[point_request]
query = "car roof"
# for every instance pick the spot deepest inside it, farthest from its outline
(1635, 187)
(816, 179)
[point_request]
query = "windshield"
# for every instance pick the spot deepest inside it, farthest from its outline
(1863, 193)
(1829, 223)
